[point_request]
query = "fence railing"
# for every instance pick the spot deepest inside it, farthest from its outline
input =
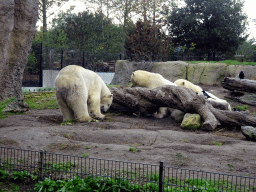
(60, 166)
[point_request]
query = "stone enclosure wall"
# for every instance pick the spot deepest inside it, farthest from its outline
(202, 73)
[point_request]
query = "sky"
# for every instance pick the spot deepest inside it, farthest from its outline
(249, 9)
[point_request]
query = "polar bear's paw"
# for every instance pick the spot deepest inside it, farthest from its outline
(98, 115)
(84, 119)
(161, 113)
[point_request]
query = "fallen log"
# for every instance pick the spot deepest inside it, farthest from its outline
(144, 101)
(244, 85)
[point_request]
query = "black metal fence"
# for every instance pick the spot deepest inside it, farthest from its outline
(60, 166)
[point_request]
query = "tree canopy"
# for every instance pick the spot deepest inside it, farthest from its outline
(211, 26)
(87, 31)
(146, 40)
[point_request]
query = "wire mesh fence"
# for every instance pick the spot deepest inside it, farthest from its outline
(60, 166)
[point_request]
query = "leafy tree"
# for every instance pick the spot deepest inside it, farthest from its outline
(248, 49)
(87, 31)
(146, 40)
(126, 10)
(211, 26)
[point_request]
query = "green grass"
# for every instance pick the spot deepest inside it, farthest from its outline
(41, 100)
(242, 108)
(228, 62)
(3, 105)
(216, 143)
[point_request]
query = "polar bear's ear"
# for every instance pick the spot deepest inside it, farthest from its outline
(111, 95)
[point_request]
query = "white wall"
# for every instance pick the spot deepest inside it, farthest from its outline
(50, 75)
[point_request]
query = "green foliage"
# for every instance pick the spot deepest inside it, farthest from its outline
(105, 184)
(3, 175)
(32, 63)
(17, 176)
(61, 166)
(208, 26)
(85, 155)
(69, 122)
(87, 31)
(242, 108)
(228, 62)
(248, 49)
(216, 143)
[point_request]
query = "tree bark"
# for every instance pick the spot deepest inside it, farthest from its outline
(17, 25)
(244, 85)
(144, 101)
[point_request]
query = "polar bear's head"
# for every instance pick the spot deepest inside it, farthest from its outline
(105, 102)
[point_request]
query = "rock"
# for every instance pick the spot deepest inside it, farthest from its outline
(124, 69)
(123, 72)
(191, 121)
(249, 71)
(249, 132)
(171, 70)
(177, 115)
(206, 73)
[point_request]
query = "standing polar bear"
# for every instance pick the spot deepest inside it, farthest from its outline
(150, 80)
(210, 97)
(81, 92)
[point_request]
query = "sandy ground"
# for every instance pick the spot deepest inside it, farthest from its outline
(225, 150)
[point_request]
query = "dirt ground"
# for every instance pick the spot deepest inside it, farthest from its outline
(225, 150)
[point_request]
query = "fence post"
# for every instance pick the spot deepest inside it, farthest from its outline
(83, 60)
(61, 59)
(40, 164)
(40, 66)
(161, 176)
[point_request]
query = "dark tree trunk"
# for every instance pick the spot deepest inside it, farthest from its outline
(144, 101)
(237, 84)
(17, 26)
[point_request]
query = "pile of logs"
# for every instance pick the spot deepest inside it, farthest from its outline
(144, 101)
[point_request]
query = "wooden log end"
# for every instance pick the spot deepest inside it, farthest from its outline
(210, 126)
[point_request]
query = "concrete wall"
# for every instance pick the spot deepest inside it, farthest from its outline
(50, 75)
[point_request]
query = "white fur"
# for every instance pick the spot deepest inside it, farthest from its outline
(199, 91)
(214, 98)
(147, 79)
(79, 92)
(188, 84)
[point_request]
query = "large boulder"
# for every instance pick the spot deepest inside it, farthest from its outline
(249, 132)
(249, 71)
(177, 115)
(123, 72)
(206, 73)
(191, 121)
(124, 69)
(171, 70)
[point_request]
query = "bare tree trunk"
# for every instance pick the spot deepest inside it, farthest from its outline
(17, 26)
(144, 101)
(244, 85)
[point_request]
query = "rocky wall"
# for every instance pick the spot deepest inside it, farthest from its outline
(202, 73)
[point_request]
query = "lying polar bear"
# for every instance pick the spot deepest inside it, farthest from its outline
(210, 97)
(79, 92)
(150, 80)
